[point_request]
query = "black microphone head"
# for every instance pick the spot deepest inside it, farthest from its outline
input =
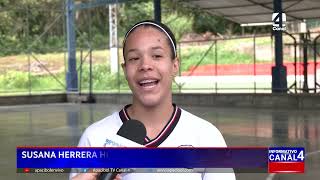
(133, 130)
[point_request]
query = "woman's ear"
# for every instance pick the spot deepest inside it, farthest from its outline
(123, 65)
(176, 66)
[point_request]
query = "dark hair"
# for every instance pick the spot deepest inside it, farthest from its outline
(160, 26)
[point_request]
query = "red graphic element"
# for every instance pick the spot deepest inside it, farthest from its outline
(245, 69)
(26, 170)
(286, 167)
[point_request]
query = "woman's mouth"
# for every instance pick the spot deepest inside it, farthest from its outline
(148, 83)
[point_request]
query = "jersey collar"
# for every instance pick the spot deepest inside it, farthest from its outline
(165, 132)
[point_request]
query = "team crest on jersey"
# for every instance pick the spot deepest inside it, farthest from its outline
(185, 146)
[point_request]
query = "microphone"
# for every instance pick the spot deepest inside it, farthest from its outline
(130, 134)
(133, 130)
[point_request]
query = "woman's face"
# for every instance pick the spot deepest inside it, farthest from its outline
(148, 67)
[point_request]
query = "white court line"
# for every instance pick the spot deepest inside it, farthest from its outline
(271, 176)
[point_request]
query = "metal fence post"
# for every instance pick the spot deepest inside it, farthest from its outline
(72, 76)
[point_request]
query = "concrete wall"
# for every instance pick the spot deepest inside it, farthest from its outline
(113, 98)
(32, 99)
(284, 101)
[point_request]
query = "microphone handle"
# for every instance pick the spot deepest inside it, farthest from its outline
(107, 176)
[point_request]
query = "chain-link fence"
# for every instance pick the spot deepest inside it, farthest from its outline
(243, 64)
(32, 52)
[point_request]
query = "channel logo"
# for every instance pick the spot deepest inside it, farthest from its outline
(286, 160)
(276, 21)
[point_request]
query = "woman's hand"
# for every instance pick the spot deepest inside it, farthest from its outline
(92, 176)
(86, 176)
(118, 177)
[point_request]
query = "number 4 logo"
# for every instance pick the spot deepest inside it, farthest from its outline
(276, 19)
(301, 155)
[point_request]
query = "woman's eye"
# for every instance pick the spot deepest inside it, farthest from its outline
(133, 59)
(157, 56)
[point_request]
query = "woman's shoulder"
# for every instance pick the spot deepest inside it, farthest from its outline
(108, 123)
(208, 134)
(97, 131)
(195, 120)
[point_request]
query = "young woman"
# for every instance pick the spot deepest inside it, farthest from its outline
(150, 65)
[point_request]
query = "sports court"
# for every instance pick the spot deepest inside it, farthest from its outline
(62, 124)
(64, 73)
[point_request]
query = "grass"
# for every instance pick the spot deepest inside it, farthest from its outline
(192, 55)
(17, 81)
(234, 43)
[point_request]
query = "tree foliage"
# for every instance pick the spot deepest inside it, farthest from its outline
(39, 25)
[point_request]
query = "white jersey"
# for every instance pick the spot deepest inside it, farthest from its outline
(183, 129)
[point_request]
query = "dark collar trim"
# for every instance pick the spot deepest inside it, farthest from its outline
(166, 131)
(124, 114)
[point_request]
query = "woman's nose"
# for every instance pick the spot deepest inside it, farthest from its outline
(145, 64)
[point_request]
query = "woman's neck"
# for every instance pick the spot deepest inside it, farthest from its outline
(154, 118)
